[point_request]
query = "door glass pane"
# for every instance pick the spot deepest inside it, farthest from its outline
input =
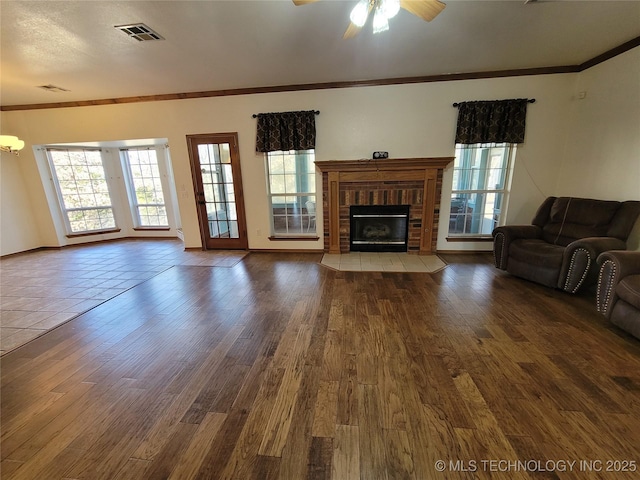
(225, 154)
(226, 174)
(217, 176)
(233, 229)
(208, 191)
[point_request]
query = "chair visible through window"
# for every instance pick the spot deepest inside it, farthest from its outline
(311, 214)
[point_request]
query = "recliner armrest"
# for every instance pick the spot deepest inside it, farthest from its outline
(579, 261)
(519, 231)
(626, 262)
(504, 235)
(597, 245)
(614, 266)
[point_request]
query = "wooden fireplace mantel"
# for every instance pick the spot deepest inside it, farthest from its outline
(383, 164)
(385, 170)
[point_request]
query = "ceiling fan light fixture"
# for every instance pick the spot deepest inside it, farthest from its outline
(11, 144)
(380, 22)
(383, 10)
(390, 8)
(359, 13)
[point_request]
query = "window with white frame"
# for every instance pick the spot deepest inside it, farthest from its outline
(144, 186)
(83, 192)
(479, 195)
(292, 193)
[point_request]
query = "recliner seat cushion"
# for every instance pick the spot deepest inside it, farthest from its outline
(537, 253)
(629, 290)
(535, 260)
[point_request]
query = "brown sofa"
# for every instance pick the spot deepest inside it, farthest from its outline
(618, 296)
(561, 246)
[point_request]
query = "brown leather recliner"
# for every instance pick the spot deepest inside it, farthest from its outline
(561, 246)
(618, 297)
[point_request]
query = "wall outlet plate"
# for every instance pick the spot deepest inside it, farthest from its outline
(380, 154)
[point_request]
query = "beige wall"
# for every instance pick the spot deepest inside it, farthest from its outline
(602, 157)
(18, 227)
(414, 120)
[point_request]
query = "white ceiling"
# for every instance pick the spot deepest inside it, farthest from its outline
(214, 45)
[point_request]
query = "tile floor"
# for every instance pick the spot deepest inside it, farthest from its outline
(383, 262)
(43, 289)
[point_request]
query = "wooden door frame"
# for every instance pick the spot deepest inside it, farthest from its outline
(196, 175)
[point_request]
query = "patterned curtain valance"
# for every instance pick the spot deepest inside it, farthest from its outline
(499, 121)
(286, 131)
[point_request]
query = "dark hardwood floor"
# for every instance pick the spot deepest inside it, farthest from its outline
(281, 368)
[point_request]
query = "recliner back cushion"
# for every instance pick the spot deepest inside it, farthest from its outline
(573, 218)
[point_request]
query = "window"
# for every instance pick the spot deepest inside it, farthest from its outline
(481, 178)
(144, 185)
(292, 193)
(81, 184)
(109, 187)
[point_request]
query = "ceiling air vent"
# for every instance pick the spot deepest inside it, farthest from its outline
(53, 88)
(140, 32)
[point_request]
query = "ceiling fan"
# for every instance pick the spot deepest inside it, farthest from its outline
(383, 11)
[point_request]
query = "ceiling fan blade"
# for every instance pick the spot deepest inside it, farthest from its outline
(352, 30)
(425, 9)
(297, 3)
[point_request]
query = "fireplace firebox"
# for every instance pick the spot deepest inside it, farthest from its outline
(379, 228)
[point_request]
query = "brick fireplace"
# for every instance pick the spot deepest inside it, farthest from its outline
(416, 182)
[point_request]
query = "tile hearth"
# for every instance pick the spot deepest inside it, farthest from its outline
(383, 262)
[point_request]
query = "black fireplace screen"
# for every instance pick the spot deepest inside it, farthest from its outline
(379, 228)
